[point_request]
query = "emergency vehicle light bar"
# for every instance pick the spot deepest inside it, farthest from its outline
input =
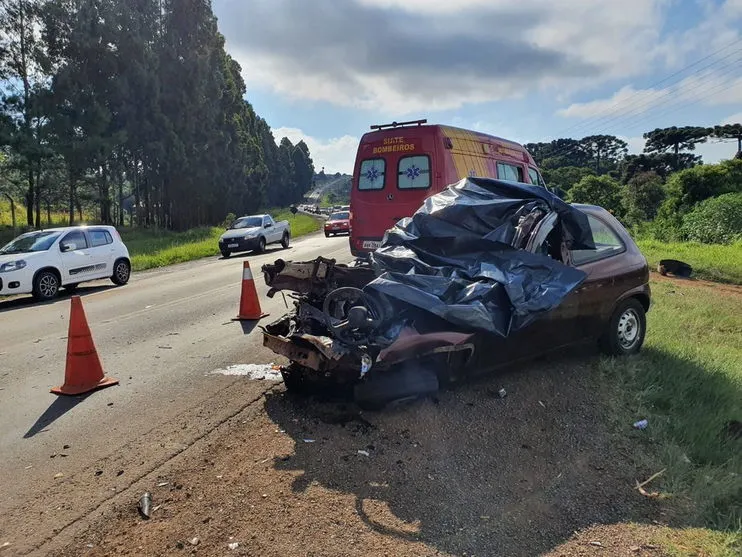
(399, 124)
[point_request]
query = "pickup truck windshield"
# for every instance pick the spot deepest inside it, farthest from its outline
(247, 222)
(33, 241)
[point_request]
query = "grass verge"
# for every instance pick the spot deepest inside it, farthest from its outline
(711, 262)
(159, 248)
(688, 383)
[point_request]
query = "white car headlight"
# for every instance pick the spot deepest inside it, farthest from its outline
(12, 266)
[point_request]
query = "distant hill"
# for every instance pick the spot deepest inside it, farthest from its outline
(330, 189)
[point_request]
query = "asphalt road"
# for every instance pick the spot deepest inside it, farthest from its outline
(162, 336)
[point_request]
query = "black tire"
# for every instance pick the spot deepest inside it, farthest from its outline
(46, 286)
(327, 234)
(626, 330)
(286, 240)
(70, 287)
(121, 272)
(226, 254)
(261, 245)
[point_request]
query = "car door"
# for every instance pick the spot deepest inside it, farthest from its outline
(600, 290)
(270, 230)
(102, 251)
(75, 258)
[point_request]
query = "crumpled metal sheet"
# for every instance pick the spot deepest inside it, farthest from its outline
(453, 257)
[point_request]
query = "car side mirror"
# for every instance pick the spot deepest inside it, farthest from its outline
(67, 246)
(268, 225)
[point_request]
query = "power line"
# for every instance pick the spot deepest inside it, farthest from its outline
(616, 106)
(683, 102)
(658, 101)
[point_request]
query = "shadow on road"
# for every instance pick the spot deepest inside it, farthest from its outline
(244, 255)
(64, 296)
(56, 410)
(470, 471)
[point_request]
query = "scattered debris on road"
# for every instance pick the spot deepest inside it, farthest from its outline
(145, 503)
(258, 372)
(641, 424)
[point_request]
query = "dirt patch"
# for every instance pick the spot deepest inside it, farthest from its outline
(730, 289)
(613, 539)
(467, 474)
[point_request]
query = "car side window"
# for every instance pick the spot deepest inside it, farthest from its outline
(533, 175)
(99, 238)
(511, 172)
(607, 243)
(75, 237)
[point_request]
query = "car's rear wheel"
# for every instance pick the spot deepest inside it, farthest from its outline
(285, 240)
(121, 272)
(46, 286)
(626, 329)
(226, 254)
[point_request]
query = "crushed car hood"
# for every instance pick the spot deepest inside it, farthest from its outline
(455, 256)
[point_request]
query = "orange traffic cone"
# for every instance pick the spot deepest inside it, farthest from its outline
(249, 303)
(83, 372)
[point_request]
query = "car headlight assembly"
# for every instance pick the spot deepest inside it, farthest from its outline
(12, 266)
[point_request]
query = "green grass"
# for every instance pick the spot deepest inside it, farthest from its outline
(696, 542)
(159, 248)
(688, 383)
(711, 262)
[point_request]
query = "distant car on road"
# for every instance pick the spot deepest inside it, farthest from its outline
(43, 261)
(338, 223)
(253, 233)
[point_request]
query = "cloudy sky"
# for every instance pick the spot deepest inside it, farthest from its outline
(527, 70)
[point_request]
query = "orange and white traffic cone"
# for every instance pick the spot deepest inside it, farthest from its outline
(83, 372)
(249, 303)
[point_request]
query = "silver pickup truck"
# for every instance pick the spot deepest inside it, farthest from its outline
(253, 233)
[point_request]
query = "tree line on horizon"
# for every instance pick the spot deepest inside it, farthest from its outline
(133, 109)
(665, 192)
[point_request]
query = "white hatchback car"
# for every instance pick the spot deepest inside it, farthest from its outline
(42, 261)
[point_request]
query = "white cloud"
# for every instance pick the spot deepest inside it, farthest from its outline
(734, 118)
(400, 57)
(713, 88)
(336, 154)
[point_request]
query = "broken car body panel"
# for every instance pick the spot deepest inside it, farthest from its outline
(483, 273)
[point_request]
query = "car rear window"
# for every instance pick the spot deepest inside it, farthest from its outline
(414, 172)
(339, 216)
(372, 174)
(607, 243)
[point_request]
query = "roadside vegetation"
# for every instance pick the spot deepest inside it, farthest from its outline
(714, 262)
(687, 383)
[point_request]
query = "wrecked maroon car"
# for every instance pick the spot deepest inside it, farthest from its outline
(487, 272)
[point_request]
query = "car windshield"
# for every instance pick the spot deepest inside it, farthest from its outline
(33, 241)
(247, 222)
(339, 216)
